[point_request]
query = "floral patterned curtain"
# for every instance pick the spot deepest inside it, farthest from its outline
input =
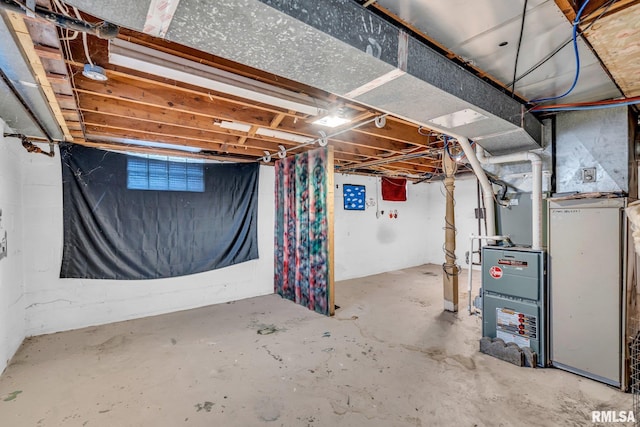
(302, 234)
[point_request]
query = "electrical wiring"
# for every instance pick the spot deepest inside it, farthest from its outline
(62, 8)
(423, 133)
(457, 157)
(588, 105)
(562, 46)
(322, 140)
(515, 66)
(576, 22)
(448, 269)
(84, 38)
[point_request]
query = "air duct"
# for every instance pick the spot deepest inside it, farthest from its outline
(342, 48)
(536, 192)
(104, 30)
(23, 105)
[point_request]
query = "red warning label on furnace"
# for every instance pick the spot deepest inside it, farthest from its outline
(495, 272)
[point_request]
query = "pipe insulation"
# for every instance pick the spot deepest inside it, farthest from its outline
(536, 193)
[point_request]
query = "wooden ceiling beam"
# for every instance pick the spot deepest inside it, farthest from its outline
(57, 78)
(132, 148)
(70, 115)
(250, 134)
(125, 119)
(75, 133)
(592, 10)
(28, 45)
(159, 130)
(96, 131)
(276, 121)
(148, 93)
(352, 137)
(155, 128)
(125, 108)
(397, 131)
(138, 78)
(389, 160)
(567, 7)
(596, 7)
(48, 52)
(138, 106)
(96, 102)
(74, 125)
(396, 168)
(68, 102)
(155, 96)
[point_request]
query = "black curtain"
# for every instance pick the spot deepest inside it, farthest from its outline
(112, 232)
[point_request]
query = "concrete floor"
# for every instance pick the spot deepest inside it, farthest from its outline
(390, 357)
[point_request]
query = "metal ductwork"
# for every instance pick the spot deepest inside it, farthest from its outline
(104, 30)
(23, 105)
(342, 48)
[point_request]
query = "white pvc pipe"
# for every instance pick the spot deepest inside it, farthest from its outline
(536, 208)
(487, 188)
(473, 237)
(536, 191)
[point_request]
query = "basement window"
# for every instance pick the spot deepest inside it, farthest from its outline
(164, 173)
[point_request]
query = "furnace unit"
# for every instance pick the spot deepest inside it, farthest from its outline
(514, 299)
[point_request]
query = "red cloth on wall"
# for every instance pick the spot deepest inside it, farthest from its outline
(394, 189)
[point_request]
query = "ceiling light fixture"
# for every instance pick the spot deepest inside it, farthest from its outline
(331, 121)
(94, 72)
(335, 119)
(90, 70)
(141, 58)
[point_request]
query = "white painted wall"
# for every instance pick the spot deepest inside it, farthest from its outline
(366, 245)
(55, 304)
(12, 300)
(466, 223)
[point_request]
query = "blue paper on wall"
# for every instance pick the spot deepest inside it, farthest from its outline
(354, 197)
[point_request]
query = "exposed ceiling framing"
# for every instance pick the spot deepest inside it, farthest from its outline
(133, 105)
(133, 108)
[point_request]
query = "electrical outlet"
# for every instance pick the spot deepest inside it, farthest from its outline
(588, 175)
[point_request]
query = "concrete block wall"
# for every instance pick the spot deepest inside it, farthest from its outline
(12, 285)
(366, 244)
(34, 300)
(55, 304)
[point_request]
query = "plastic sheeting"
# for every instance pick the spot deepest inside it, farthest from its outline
(111, 232)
